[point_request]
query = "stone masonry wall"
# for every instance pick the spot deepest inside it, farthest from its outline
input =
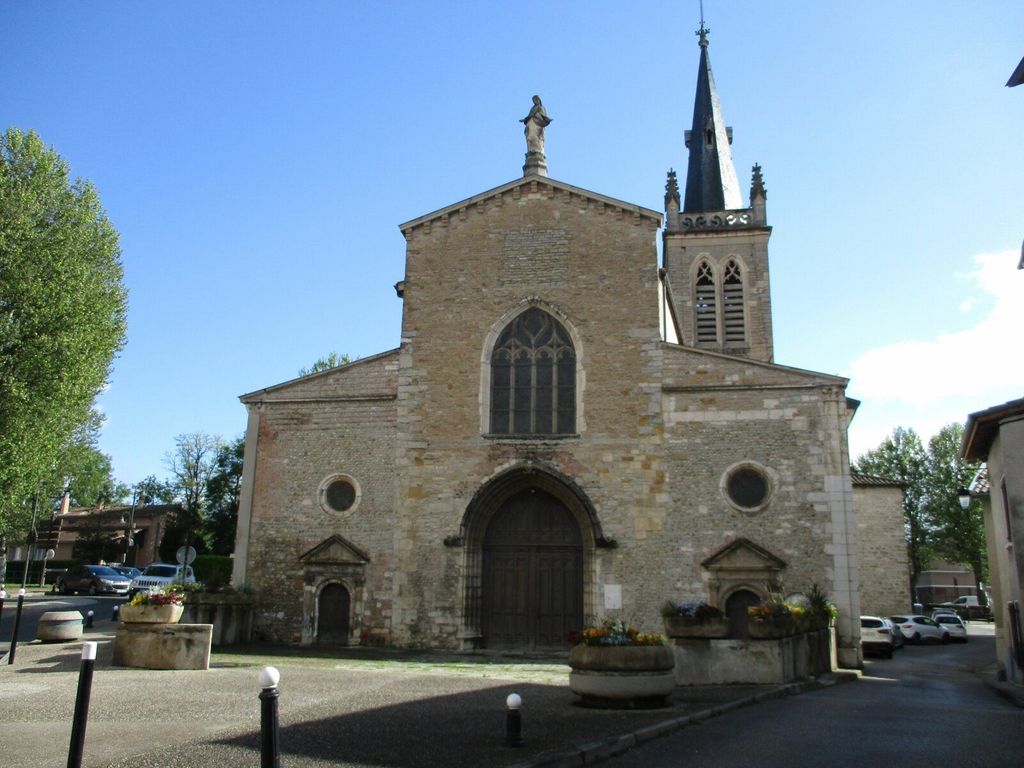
(594, 266)
(882, 550)
(339, 421)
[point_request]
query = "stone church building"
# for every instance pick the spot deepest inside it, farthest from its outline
(568, 431)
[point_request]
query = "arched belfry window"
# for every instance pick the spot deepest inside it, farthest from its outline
(533, 377)
(706, 304)
(732, 304)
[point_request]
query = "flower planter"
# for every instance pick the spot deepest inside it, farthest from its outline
(770, 629)
(622, 676)
(681, 626)
(151, 614)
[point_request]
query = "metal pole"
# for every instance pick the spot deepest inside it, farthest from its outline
(513, 721)
(3, 597)
(17, 624)
(29, 541)
(270, 756)
(82, 706)
(128, 531)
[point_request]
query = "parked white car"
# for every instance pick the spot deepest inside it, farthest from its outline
(875, 636)
(920, 629)
(160, 575)
(954, 625)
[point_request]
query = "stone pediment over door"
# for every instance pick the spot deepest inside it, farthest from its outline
(335, 550)
(741, 564)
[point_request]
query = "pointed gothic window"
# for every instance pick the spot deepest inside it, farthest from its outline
(732, 305)
(533, 378)
(706, 305)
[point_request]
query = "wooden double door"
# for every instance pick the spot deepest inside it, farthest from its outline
(532, 574)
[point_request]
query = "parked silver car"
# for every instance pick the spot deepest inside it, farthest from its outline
(94, 579)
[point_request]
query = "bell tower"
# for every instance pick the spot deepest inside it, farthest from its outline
(715, 250)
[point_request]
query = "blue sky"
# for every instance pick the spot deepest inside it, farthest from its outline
(257, 157)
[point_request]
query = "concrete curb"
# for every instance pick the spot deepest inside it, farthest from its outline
(596, 752)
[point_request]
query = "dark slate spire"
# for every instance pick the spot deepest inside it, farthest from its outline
(711, 182)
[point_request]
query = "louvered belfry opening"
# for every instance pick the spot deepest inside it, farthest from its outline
(732, 305)
(706, 306)
(533, 378)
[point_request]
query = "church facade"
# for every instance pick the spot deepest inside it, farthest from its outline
(568, 431)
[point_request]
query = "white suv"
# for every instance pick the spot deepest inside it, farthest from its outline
(158, 576)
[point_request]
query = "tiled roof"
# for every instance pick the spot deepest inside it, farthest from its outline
(873, 480)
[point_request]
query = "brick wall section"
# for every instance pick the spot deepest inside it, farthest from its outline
(882, 550)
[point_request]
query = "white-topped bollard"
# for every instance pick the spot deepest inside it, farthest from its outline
(513, 721)
(81, 717)
(269, 753)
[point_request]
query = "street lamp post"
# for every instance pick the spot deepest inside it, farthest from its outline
(130, 529)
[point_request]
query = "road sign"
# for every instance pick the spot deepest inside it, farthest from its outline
(185, 558)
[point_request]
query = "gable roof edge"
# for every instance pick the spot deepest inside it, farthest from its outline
(254, 395)
(803, 372)
(656, 216)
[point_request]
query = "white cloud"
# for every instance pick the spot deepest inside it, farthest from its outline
(925, 384)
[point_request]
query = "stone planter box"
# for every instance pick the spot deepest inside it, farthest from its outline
(59, 626)
(622, 676)
(163, 646)
(682, 627)
(760, 662)
(151, 614)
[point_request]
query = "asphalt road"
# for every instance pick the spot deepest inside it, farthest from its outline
(34, 607)
(922, 707)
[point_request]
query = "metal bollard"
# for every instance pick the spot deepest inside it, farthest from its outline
(116, 613)
(17, 624)
(3, 597)
(270, 756)
(513, 721)
(88, 620)
(82, 706)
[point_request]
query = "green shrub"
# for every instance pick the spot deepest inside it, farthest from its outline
(213, 569)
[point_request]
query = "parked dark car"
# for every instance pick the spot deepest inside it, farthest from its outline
(94, 579)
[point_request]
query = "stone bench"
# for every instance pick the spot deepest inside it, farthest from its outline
(163, 646)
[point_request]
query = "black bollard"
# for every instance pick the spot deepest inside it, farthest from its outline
(17, 623)
(3, 597)
(77, 747)
(513, 721)
(270, 756)
(88, 620)
(116, 613)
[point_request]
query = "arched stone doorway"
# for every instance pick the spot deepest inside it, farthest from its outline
(333, 611)
(532, 573)
(736, 611)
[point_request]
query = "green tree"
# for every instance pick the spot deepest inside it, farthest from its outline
(222, 492)
(958, 534)
(326, 363)
(935, 524)
(902, 457)
(191, 465)
(62, 316)
(149, 490)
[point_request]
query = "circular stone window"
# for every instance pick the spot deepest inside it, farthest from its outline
(339, 493)
(747, 487)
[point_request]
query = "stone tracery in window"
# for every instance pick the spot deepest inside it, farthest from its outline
(533, 377)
